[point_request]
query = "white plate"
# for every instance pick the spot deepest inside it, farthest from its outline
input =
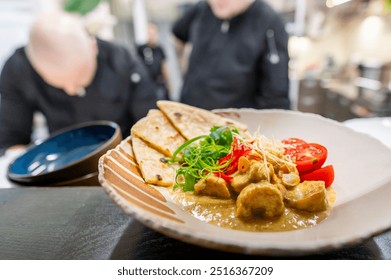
(363, 183)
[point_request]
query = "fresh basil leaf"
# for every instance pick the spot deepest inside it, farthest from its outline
(221, 135)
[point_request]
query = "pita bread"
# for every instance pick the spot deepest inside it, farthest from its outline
(192, 121)
(153, 168)
(158, 132)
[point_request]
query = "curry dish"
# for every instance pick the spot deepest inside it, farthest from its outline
(265, 192)
(223, 175)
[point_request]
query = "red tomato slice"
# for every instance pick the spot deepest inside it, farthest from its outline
(293, 141)
(294, 145)
(307, 156)
(325, 174)
(310, 158)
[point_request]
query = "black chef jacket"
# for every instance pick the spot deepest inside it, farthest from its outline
(230, 64)
(153, 58)
(121, 91)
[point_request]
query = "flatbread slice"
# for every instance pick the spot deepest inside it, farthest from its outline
(158, 132)
(151, 162)
(192, 121)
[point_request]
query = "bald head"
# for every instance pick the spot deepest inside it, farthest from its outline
(62, 52)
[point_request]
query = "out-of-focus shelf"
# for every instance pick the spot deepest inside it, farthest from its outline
(346, 89)
(342, 100)
(329, 98)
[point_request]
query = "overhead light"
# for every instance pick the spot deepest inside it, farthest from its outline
(333, 3)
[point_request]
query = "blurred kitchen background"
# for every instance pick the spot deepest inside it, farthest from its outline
(340, 50)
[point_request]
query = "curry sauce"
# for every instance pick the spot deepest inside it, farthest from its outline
(222, 213)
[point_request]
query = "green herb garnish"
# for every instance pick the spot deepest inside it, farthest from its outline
(199, 157)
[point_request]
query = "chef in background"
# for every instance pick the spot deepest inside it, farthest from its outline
(70, 77)
(238, 55)
(154, 58)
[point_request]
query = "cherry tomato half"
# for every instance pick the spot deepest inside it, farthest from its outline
(307, 156)
(293, 141)
(325, 174)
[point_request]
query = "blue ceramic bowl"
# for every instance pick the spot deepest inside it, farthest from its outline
(68, 154)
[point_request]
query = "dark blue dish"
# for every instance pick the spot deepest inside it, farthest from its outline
(61, 156)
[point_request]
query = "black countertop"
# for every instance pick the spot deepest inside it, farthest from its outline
(84, 223)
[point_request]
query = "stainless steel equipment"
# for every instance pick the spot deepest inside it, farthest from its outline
(374, 90)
